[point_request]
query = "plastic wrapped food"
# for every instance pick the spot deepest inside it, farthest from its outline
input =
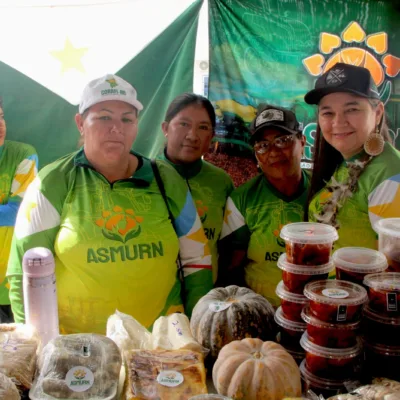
(308, 243)
(164, 374)
(292, 304)
(389, 241)
(8, 390)
(80, 366)
(19, 344)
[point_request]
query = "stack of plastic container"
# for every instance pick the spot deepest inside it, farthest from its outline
(307, 258)
(333, 349)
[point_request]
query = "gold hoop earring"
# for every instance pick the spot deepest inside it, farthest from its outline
(374, 144)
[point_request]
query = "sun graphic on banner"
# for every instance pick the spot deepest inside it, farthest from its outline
(364, 50)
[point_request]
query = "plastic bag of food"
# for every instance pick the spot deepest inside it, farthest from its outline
(8, 390)
(18, 347)
(173, 333)
(164, 374)
(127, 333)
(80, 366)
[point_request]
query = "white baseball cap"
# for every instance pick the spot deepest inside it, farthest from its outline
(109, 87)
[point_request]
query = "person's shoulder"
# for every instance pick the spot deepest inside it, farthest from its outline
(19, 149)
(388, 162)
(246, 190)
(58, 168)
(217, 172)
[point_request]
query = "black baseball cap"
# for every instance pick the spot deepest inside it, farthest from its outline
(343, 78)
(269, 116)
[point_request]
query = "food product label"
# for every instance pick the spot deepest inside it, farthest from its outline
(391, 301)
(341, 313)
(335, 293)
(79, 379)
(218, 306)
(170, 378)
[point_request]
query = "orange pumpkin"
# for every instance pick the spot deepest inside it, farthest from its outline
(251, 369)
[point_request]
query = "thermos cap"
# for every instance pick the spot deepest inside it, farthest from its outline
(38, 262)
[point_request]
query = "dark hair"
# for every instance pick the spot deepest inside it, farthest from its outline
(187, 99)
(326, 158)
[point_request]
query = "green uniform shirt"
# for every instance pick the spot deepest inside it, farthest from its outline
(255, 213)
(114, 245)
(377, 196)
(18, 168)
(210, 186)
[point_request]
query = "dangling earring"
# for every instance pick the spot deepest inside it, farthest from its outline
(374, 144)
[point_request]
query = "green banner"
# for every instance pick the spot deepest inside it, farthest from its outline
(160, 72)
(272, 51)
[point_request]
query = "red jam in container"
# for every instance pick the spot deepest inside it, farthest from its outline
(330, 335)
(353, 263)
(389, 241)
(325, 387)
(308, 243)
(291, 303)
(384, 292)
(295, 277)
(382, 360)
(290, 331)
(335, 301)
(331, 363)
(379, 328)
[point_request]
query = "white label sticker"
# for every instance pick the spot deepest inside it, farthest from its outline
(335, 293)
(218, 306)
(170, 378)
(79, 379)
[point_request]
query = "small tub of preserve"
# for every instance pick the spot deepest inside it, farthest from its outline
(389, 241)
(327, 334)
(291, 303)
(331, 363)
(298, 354)
(381, 360)
(379, 328)
(335, 301)
(295, 277)
(353, 263)
(308, 243)
(384, 292)
(325, 387)
(290, 331)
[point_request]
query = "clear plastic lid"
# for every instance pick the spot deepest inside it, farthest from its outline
(360, 259)
(380, 318)
(309, 232)
(336, 292)
(287, 323)
(382, 349)
(304, 269)
(388, 226)
(328, 352)
(209, 396)
(315, 381)
(388, 281)
(311, 320)
(283, 293)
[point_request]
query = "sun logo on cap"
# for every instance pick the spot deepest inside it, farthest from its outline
(365, 51)
(112, 82)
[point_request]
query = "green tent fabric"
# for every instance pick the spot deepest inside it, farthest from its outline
(161, 71)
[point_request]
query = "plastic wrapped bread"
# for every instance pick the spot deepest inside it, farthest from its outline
(164, 375)
(80, 366)
(173, 333)
(8, 390)
(19, 344)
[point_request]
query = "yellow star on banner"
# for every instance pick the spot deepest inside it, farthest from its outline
(23, 181)
(198, 236)
(70, 57)
(227, 214)
(29, 209)
(388, 210)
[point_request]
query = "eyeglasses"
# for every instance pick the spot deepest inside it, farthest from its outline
(281, 142)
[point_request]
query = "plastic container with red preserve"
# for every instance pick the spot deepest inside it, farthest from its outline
(308, 243)
(290, 331)
(353, 263)
(327, 334)
(384, 292)
(331, 363)
(298, 354)
(381, 360)
(335, 301)
(295, 277)
(389, 241)
(379, 328)
(320, 386)
(291, 303)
